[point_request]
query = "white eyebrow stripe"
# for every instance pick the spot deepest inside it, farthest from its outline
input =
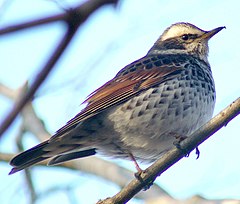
(179, 30)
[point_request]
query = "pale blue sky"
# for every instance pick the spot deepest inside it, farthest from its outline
(109, 40)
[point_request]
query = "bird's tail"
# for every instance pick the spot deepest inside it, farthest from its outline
(29, 158)
(46, 150)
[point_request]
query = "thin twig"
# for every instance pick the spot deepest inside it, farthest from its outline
(31, 122)
(174, 155)
(74, 19)
(27, 173)
(82, 8)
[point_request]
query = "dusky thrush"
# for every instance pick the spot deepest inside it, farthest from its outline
(138, 113)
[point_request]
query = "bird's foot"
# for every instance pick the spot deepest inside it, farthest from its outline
(138, 174)
(197, 152)
(177, 143)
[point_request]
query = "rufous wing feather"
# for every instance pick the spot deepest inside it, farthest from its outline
(120, 89)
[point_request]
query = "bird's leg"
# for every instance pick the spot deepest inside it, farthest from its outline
(177, 144)
(139, 170)
(179, 139)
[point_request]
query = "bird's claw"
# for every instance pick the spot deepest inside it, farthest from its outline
(139, 177)
(177, 144)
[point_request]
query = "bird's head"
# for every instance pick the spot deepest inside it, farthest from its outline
(184, 38)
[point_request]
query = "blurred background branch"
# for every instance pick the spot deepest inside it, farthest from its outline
(74, 18)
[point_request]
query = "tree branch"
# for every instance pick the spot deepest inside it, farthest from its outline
(27, 173)
(84, 9)
(174, 155)
(74, 18)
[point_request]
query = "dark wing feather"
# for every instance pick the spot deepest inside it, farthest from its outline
(70, 156)
(28, 158)
(120, 89)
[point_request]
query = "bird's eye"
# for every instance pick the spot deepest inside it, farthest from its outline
(185, 37)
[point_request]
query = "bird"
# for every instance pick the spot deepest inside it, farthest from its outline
(138, 114)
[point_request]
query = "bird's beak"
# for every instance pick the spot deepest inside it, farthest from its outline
(211, 33)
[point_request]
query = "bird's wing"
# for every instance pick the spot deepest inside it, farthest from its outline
(130, 81)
